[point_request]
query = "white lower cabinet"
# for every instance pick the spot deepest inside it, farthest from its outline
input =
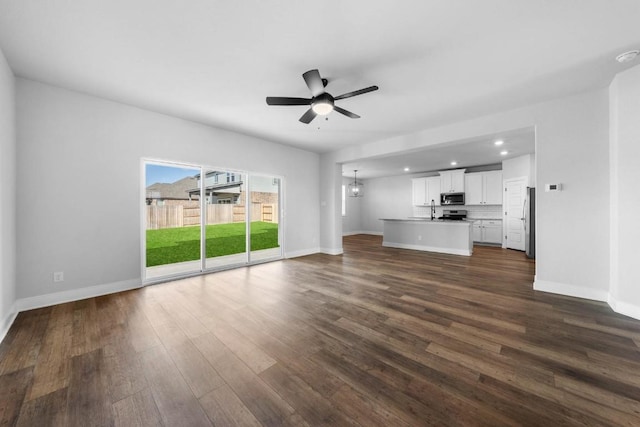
(477, 231)
(487, 231)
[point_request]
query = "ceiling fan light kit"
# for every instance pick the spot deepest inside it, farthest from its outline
(321, 103)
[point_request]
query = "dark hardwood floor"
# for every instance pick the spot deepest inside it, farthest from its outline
(375, 337)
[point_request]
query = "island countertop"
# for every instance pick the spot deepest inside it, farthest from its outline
(426, 219)
(425, 234)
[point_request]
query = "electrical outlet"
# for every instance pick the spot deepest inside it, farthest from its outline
(419, 237)
(58, 276)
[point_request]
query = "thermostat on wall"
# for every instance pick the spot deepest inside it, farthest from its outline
(553, 187)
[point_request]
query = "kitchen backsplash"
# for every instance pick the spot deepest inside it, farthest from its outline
(493, 211)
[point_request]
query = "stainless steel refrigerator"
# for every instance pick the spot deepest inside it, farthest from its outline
(529, 217)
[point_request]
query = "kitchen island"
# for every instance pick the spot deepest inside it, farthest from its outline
(424, 234)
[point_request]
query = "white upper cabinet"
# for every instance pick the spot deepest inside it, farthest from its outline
(426, 189)
(473, 184)
(452, 181)
(483, 188)
(419, 186)
(433, 190)
(493, 188)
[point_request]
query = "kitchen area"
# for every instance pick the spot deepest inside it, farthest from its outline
(451, 211)
(448, 198)
(469, 207)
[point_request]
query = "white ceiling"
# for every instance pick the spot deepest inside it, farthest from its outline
(215, 62)
(477, 151)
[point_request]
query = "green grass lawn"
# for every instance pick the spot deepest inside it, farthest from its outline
(171, 245)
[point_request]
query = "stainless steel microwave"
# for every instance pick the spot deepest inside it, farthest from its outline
(452, 199)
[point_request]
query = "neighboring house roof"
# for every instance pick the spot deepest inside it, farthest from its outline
(178, 190)
(225, 187)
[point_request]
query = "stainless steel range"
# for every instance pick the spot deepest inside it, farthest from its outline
(454, 214)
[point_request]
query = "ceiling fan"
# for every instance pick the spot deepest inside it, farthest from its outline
(321, 102)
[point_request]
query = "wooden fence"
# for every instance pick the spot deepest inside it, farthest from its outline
(181, 216)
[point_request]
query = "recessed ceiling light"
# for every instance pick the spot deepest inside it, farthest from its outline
(499, 142)
(406, 169)
(504, 152)
(454, 163)
(627, 56)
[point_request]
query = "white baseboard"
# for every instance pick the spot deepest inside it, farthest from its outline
(427, 248)
(46, 300)
(303, 252)
(625, 308)
(8, 321)
(570, 290)
(620, 307)
(331, 251)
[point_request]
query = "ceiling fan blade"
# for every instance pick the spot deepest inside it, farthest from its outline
(314, 82)
(308, 116)
(282, 100)
(345, 112)
(356, 92)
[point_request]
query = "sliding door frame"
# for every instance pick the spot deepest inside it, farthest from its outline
(203, 215)
(280, 217)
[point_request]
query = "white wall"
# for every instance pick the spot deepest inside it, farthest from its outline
(79, 169)
(352, 222)
(624, 95)
(571, 148)
(7, 196)
(388, 197)
(330, 205)
(519, 167)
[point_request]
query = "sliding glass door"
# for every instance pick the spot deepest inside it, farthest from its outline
(225, 213)
(264, 196)
(172, 220)
(203, 219)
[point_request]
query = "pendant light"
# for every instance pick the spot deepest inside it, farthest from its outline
(356, 188)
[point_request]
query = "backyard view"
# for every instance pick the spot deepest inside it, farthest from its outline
(171, 245)
(175, 213)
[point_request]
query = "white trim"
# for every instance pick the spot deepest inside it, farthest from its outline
(76, 294)
(625, 308)
(570, 290)
(427, 248)
(331, 251)
(8, 321)
(620, 307)
(303, 252)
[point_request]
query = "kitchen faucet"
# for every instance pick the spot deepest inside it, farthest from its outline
(433, 209)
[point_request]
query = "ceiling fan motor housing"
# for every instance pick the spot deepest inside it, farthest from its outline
(323, 103)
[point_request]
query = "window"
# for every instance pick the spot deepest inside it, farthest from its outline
(344, 200)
